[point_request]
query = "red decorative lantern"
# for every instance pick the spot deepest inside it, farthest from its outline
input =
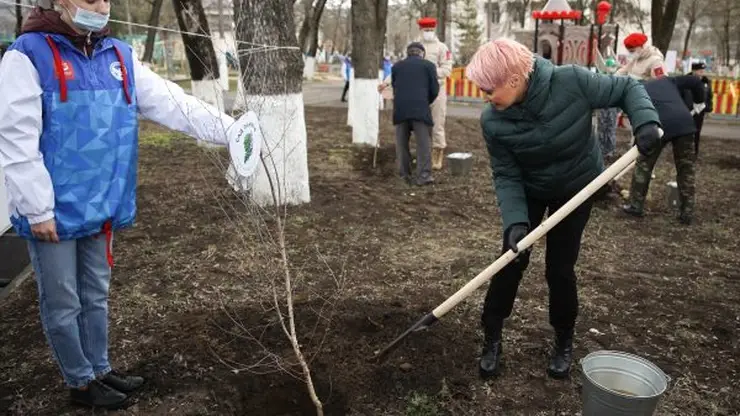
(602, 10)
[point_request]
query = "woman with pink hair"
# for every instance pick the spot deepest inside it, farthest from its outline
(537, 129)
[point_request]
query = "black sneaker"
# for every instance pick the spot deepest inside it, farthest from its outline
(99, 395)
(121, 382)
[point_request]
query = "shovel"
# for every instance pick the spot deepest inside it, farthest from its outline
(616, 168)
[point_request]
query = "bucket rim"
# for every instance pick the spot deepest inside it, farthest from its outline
(635, 357)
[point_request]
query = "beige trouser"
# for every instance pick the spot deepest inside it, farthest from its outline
(439, 113)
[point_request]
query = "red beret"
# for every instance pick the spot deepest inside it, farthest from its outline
(635, 40)
(427, 22)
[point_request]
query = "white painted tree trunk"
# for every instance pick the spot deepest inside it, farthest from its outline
(309, 68)
(220, 48)
(350, 97)
(365, 118)
(4, 215)
(284, 152)
(381, 101)
(240, 102)
(210, 91)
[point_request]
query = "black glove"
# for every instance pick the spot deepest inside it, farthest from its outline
(648, 139)
(514, 234)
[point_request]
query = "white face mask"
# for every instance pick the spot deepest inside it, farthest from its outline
(428, 36)
(88, 20)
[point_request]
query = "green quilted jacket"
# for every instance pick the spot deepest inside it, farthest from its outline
(543, 148)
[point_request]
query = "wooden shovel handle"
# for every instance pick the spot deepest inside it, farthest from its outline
(601, 180)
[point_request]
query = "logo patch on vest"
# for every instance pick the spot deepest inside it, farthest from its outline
(67, 69)
(115, 70)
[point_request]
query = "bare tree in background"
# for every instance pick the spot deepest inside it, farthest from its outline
(198, 49)
(368, 36)
(18, 17)
(518, 10)
(316, 13)
(692, 11)
(151, 33)
(663, 16)
(442, 9)
(305, 31)
(725, 19)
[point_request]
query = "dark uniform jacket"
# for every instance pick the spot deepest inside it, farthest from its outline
(667, 96)
(415, 87)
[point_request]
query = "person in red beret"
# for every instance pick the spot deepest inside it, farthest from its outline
(439, 54)
(645, 61)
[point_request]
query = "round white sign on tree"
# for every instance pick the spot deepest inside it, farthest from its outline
(245, 143)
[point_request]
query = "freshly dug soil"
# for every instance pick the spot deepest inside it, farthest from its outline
(192, 303)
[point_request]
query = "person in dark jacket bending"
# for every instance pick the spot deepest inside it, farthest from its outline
(415, 87)
(697, 69)
(537, 128)
(667, 96)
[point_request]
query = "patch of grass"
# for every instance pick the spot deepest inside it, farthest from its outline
(157, 138)
(422, 405)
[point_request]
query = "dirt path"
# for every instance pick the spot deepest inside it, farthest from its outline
(190, 297)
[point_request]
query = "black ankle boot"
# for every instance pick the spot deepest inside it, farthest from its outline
(490, 360)
(99, 395)
(562, 356)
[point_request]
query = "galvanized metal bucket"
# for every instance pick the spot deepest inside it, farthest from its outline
(620, 384)
(460, 164)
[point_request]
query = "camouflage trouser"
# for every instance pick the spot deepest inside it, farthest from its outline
(607, 129)
(683, 156)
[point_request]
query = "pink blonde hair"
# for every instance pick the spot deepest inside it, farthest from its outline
(497, 61)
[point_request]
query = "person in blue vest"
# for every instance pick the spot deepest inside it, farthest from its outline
(387, 66)
(346, 73)
(69, 98)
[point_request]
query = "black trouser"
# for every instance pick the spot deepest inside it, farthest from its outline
(699, 122)
(346, 88)
(563, 245)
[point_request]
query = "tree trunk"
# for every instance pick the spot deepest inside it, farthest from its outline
(368, 38)
(18, 18)
(305, 31)
(151, 33)
(663, 20)
(317, 12)
(687, 38)
(442, 20)
(272, 87)
(198, 49)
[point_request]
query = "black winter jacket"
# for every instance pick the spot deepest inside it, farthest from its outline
(415, 87)
(709, 100)
(667, 96)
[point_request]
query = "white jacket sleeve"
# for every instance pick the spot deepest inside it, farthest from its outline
(166, 103)
(30, 191)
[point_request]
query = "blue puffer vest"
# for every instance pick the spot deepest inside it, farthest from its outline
(90, 138)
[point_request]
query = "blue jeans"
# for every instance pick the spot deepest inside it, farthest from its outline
(73, 278)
